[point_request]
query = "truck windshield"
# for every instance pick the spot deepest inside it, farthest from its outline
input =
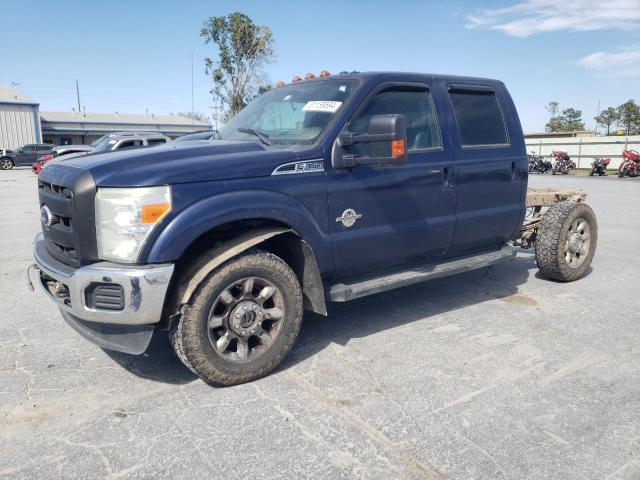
(296, 113)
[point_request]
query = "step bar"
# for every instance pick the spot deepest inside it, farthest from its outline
(361, 287)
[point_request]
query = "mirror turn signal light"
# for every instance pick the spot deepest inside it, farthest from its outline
(397, 148)
(153, 212)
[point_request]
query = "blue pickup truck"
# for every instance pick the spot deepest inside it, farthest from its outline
(322, 190)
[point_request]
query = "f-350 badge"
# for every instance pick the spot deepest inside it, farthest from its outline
(349, 217)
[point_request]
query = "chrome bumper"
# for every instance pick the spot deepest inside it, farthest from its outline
(144, 287)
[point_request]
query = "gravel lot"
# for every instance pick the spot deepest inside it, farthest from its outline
(491, 375)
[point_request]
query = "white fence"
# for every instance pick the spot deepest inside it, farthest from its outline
(583, 150)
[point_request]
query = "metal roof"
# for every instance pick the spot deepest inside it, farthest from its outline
(11, 95)
(120, 118)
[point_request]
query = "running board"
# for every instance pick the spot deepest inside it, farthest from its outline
(361, 287)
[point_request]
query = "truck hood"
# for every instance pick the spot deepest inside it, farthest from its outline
(182, 162)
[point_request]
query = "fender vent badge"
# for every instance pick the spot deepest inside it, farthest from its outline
(349, 217)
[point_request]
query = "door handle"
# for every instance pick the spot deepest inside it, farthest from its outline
(446, 178)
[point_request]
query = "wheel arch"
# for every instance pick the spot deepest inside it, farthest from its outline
(227, 242)
(190, 224)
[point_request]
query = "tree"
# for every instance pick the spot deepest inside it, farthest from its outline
(572, 120)
(629, 116)
(554, 124)
(243, 49)
(195, 115)
(552, 108)
(607, 118)
(568, 121)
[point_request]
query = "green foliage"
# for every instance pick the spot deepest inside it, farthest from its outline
(243, 49)
(569, 120)
(629, 117)
(572, 120)
(607, 117)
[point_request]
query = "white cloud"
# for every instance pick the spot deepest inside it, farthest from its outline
(620, 63)
(531, 17)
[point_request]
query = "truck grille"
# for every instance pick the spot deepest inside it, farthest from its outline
(67, 214)
(59, 234)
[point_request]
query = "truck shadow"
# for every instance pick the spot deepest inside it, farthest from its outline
(358, 318)
(371, 315)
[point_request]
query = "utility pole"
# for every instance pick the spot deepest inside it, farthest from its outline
(78, 95)
(193, 120)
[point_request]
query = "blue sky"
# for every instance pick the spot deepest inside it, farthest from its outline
(133, 55)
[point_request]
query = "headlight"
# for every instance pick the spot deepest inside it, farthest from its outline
(125, 217)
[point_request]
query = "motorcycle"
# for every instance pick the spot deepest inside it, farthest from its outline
(630, 164)
(599, 166)
(563, 163)
(537, 164)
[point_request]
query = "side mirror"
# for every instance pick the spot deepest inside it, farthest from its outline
(383, 145)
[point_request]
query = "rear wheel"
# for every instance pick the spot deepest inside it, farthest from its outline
(242, 321)
(566, 241)
(6, 163)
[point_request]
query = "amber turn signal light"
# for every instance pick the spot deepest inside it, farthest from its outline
(397, 148)
(153, 212)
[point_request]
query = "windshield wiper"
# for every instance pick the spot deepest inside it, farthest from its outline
(264, 138)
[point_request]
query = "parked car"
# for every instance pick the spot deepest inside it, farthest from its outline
(212, 135)
(58, 152)
(24, 155)
(118, 141)
(67, 149)
(328, 189)
(128, 141)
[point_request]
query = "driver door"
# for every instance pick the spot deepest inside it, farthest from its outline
(401, 212)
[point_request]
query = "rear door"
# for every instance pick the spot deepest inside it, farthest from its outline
(152, 142)
(401, 212)
(491, 167)
(28, 156)
(130, 144)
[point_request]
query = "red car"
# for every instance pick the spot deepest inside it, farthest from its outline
(39, 164)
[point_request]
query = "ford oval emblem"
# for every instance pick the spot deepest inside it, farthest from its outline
(45, 216)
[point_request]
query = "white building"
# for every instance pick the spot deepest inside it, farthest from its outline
(19, 121)
(65, 128)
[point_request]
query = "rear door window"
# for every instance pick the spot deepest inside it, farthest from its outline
(155, 141)
(130, 144)
(479, 117)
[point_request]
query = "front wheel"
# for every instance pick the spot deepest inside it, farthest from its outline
(592, 172)
(242, 321)
(6, 163)
(566, 241)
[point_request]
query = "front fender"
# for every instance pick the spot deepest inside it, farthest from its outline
(169, 243)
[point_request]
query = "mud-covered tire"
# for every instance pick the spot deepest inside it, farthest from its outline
(189, 336)
(554, 236)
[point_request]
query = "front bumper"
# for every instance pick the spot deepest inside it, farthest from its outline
(144, 288)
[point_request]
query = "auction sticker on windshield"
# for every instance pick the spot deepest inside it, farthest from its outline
(321, 106)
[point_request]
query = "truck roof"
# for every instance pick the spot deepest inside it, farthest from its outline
(409, 76)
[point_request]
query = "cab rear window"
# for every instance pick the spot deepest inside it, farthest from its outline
(478, 117)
